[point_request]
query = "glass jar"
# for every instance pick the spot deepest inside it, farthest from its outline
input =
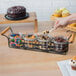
(30, 40)
(60, 44)
(44, 42)
(15, 41)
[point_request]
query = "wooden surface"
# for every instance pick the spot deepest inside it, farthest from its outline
(18, 62)
(32, 18)
(73, 29)
(54, 18)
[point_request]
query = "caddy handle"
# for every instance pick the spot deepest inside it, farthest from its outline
(71, 40)
(4, 31)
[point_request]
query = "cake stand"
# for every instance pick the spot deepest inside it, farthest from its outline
(32, 18)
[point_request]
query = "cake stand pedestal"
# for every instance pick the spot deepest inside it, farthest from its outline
(32, 18)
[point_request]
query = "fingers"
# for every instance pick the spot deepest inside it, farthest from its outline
(57, 24)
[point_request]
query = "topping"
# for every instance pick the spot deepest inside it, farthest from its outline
(60, 39)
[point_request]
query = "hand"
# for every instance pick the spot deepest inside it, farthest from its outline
(65, 21)
(61, 22)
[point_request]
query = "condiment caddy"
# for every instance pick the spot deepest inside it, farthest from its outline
(38, 42)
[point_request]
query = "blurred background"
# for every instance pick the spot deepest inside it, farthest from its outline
(43, 8)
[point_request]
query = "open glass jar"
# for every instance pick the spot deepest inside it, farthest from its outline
(44, 42)
(30, 40)
(60, 44)
(15, 40)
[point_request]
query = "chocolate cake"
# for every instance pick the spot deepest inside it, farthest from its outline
(16, 12)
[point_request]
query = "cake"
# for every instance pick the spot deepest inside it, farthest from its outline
(16, 12)
(57, 13)
(73, 63)
(62, 9)
(62, 12)
(65, 13)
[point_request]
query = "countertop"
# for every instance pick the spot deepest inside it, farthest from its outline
(20, 62)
